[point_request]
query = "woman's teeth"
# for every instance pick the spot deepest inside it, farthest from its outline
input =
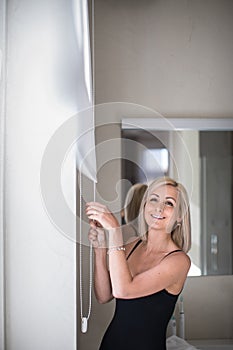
(157, 216)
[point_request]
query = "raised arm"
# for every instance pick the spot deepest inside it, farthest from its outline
(102, 282)
(170, 274)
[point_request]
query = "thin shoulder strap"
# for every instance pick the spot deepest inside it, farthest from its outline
(173, 251)
(133, 249)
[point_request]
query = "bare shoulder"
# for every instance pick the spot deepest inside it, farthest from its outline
(177, 265)
(180, 255)
(179, 259)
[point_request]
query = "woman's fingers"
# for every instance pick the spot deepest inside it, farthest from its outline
(102, 215)
(94, 224)
(96, 205)
(97, 237)
(93, 237)
(94, 208)
(95, 212)
(93, 232)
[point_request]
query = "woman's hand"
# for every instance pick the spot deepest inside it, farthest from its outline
(96, 236)
(101, 214)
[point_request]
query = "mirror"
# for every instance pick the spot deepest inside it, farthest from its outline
(201, 159)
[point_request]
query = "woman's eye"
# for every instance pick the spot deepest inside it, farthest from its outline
(154, 199)
(169, 204)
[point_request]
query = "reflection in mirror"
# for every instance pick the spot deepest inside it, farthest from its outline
(202, 161)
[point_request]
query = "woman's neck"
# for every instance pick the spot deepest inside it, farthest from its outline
(159, 242)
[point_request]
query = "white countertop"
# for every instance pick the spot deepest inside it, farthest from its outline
(218, 344)
(210, 341)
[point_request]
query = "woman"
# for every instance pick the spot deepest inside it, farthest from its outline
(147, 275)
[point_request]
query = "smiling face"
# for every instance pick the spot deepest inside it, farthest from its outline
(161, 208)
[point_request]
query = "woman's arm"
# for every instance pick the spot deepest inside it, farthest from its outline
(119, 271)
(170, 274)
(102, 282)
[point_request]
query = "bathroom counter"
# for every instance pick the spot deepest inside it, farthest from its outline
(212, 344)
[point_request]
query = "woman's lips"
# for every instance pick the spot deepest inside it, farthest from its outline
(157, 217)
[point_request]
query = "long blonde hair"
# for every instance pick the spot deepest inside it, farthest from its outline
(133, 201)
(181, 232)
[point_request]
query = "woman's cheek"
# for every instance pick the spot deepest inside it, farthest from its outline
(147, 216)
(170, 224)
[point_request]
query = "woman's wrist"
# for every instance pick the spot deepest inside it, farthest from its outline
(115, 238)
(100, 250)
(115, 249)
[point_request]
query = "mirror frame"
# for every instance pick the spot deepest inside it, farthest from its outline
(168, 124)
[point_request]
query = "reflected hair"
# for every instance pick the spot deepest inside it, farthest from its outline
(181, 230)
(133, 201)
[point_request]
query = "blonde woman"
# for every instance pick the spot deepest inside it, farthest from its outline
(147, 275)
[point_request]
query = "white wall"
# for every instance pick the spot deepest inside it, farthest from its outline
(172, 56)
(2, 144)
(40, 97)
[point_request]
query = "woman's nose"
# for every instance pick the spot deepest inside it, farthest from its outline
(160, 207)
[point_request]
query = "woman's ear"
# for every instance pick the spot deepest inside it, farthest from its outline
(177, 224)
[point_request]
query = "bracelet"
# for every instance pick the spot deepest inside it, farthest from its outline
(115, 249)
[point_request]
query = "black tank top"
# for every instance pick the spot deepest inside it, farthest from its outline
(140, 323)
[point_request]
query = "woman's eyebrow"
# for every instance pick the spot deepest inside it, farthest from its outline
(167, 197)
(171, 198)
